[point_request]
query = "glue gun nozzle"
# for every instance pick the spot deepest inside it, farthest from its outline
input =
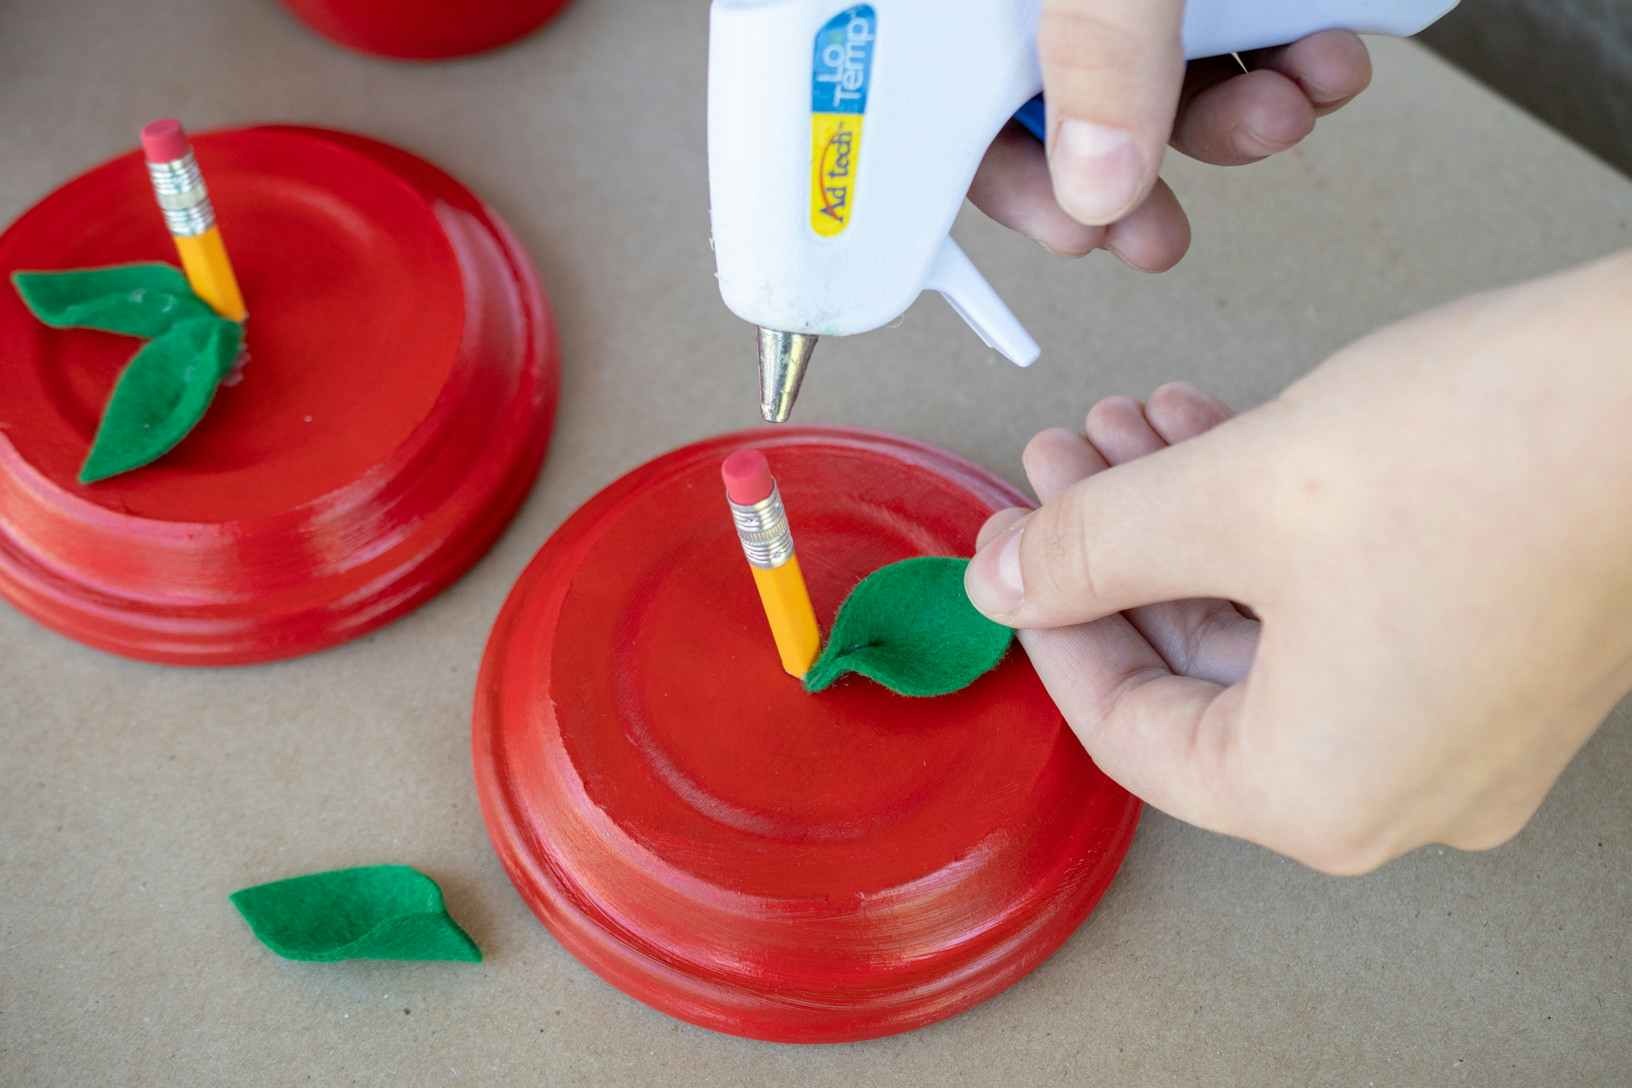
(783, 357)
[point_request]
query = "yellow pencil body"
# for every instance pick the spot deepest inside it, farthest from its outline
(204, 260)
(184, 200)
(793, 621)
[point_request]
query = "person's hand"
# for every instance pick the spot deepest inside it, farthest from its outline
(1118, 91)
(1434, 533)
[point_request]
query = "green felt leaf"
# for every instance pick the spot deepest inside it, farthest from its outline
(910, 627)
(161, 395)
(378, 912)
(145, 300)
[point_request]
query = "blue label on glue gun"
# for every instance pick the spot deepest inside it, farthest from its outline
(841, 74)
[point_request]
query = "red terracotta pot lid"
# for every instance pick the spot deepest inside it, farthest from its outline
(715, 842)
(424, 29)
(395, 409)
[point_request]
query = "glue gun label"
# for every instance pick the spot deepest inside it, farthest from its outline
(841, 75)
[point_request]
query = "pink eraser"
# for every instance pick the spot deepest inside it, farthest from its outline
(164, 140)
(747, 477)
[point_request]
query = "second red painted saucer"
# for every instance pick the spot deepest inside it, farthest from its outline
(424, 29)
(714, 841)
(394, 410)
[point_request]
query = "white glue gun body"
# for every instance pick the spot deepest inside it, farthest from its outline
(843, 139)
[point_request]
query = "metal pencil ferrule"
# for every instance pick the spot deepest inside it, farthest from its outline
(179, 187)
(767, 540)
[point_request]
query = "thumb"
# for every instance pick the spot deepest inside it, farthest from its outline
(1176, 525)
(1112, 71)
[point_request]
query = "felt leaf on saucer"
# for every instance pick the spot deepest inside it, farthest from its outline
(378, 912)
(910, 627)
(145, 300)
(161, 395)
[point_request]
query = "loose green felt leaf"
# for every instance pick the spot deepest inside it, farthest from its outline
(162, 394)
(910, 627)
(145, 300)
(378, 912)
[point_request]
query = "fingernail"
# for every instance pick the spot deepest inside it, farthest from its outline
(995, 584)
(1067, 254)
(1008, 567)
(1123, 257)
(998, 524)
(1097, 174)
(1272, 139)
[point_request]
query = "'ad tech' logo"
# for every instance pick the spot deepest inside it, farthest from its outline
(841, 74)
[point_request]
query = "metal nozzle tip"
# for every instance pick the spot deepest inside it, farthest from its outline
(783, 357)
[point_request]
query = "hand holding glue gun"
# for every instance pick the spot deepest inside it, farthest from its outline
(843, 141)
(1119, 92)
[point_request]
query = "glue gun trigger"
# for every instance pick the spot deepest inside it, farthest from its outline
(955, 276)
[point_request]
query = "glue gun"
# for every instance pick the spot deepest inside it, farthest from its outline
(843, 139)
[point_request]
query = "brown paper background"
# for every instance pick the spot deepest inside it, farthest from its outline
(135, 798)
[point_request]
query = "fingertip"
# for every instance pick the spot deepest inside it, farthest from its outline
(1111, 412)
(1057, 459)
(1052, 436)
(1165, 259)
(1071, 243)
(1155, 237)
(1330, 68)
(1338, 67)
(1099, 172)
(1244, 119)
(1180, 390)
(1179, 411)
(1118, 429)
(993, 580)
(1277, 115)
(1044, 448)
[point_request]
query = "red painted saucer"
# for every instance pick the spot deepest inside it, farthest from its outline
(424, 29)
(715, 842)
(396, 405)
